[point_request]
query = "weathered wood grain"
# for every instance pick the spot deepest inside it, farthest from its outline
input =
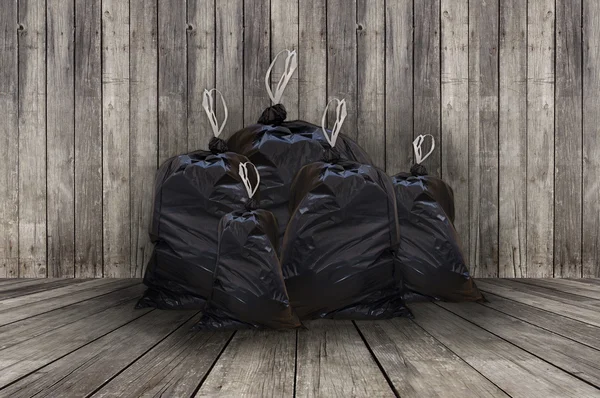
(88, 139)
(32, 139)
(398, 86)
(455, 110)
(12, 283)
(284, 34)
(334, 361)
(88, 367)
(312, 59)
(201, 69)
(60, 166)
(512, 195)
(230, 60)
(540, 138)
(143, 150)
(483, 138)
(568, 141)
(515, 371)
(371, 78)
(115, 145)
(172, 79)
(255, 363)
(591, 144)
(566, 286)
(420, 366)
(257, 57)
(566, 327)
(48, 284)
(427, 86)
(9, 141)
(341, 60)
(572, 357)
(173, 368)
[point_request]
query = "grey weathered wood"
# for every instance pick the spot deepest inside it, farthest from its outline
(35, 326)
(60, 165)
(455, 109)
(229, 65)
(24, 307)
(48, 284)
(566, 327)
(568, 141)
(371, 78)
(540, 138)
(420, 366)
(172, 79)
(427, 89)
(515, 371)
(143, 150)
(577, 359)
(589, 281)
(549, 301)
(88, 139)
(566, 286)
(201, 69)
(591, 145)
(255, 363)
(542, 289)
(88, 367)
(32, 139)
(312, 59)
(483, 138)
(9, 141)
(512, 198)
(341, 59)
(115, 146)
(284, 35)
(334, 361)
(257, 57)
(11, 283)
(398, 85)
(173, 368)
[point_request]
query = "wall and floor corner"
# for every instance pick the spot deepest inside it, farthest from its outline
(94, 94)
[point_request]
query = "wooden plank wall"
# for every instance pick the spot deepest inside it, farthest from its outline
(95, 94)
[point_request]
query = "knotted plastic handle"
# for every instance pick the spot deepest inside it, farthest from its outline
(340, 116)
(243, 172)
(209, 108)
(291, 64)
(417, 143)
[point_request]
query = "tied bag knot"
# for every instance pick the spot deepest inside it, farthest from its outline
(274, 115)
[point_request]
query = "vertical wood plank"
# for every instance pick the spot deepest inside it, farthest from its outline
(284, 35)
(540, 139)
(568, 141)
(230, 60)
(483, 138)
(398, 85)
(9, 142)
(513, 139)
(144, 127)
(88, 139)
(312, 61)
(115, 147)
(427, 88)
(455, 109)
(32, 139)
(201, 69)
(172, 79)
(591, 144)
(341, 59)
(257, 57)
(61, 138)
(370, 103)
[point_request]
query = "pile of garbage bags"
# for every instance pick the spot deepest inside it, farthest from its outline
(288, 221)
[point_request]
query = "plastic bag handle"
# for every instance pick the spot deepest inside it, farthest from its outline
(417, 143)
(340, 116)
(243, 172)
(291, 64)
(208, 105)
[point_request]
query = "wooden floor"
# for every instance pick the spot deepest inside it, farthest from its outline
(77, 338)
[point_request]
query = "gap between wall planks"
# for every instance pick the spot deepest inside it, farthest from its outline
(95, 94)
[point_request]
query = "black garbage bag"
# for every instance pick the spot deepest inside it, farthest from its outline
(430, 255)
(337, 254)
(280, 149)
(248, 286)
(191, 194)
